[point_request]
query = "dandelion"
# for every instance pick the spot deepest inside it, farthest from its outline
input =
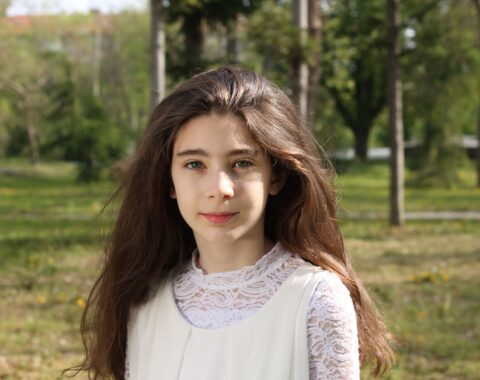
(80, 302)
(41, 299)
(428, 277)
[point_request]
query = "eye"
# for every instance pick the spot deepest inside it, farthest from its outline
(194, 165)
(243, 164)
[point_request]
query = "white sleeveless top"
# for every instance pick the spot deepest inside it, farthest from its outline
(268, 345)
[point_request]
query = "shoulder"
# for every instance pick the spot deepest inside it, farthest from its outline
(157, 295)
(327, 292)
(328, 284)
(331, 298)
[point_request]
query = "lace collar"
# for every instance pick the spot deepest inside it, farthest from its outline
(268, 263)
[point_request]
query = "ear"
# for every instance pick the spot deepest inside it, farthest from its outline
(279, 177)
(173, 194)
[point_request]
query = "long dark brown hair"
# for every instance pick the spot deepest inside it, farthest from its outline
(150, 239)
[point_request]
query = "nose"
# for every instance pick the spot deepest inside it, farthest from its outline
(222, 187)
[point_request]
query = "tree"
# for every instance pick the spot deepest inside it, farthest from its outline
(314, 64)
(273, 37)
(290, 46)
(25, 79)
(476, 4)
(440, 86)
(93, 139)
(395, 106)
(306, 66)
(353, 65)
(126, 79)
(157, 53)
(300, 79)
(194, 15)
(4, 4)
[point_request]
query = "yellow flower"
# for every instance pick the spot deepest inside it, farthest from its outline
(80, 302)
(41, 299)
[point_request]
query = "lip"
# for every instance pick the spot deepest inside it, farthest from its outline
(219, 217)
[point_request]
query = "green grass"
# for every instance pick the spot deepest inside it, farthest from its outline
(424, 276)
(364, 188)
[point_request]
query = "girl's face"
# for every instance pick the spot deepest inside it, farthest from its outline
(221, 179)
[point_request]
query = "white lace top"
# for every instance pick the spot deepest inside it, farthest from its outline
(222, 299)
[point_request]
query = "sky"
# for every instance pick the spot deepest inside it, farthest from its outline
(22, 7)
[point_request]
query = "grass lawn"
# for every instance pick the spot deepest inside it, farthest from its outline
(425, 276)
(364, 188)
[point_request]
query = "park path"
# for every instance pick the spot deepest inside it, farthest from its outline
(343, 215)
(415, 215)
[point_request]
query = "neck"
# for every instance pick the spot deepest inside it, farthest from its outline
(215, 258)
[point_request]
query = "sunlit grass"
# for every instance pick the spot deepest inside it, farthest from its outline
(364, 188)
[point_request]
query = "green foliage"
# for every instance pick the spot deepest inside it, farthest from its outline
(193, 15)
(212, 10)
(94, 140)
(354, 65)
(125, 80)
(53, 63)
(275, 39)
(440, 91)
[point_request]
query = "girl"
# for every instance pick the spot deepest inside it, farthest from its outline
(226, 260)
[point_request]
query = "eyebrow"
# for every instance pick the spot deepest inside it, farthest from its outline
(204, 153)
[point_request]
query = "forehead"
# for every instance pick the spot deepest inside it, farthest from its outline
(215, 133)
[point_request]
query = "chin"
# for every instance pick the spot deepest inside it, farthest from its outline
(221, 237)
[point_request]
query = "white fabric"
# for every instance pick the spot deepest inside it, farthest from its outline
(220, 300)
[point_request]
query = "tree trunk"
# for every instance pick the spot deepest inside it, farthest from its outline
(157, 53)
(361, 143)
(300, 66)
(476, 4)
(315, 68)
(32, 135)
(4, 4)
(97, 54)
(232, 41)
(478, 147)
(395, 107)
(192, 29)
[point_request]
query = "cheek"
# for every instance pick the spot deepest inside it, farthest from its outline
(185, 206)
(257, 196)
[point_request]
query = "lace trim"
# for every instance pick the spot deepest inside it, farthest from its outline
(221, 299)
(268, 263)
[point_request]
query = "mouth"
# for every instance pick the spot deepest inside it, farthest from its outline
(219, 217)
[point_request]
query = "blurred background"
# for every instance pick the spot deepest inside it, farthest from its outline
(390, 88)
